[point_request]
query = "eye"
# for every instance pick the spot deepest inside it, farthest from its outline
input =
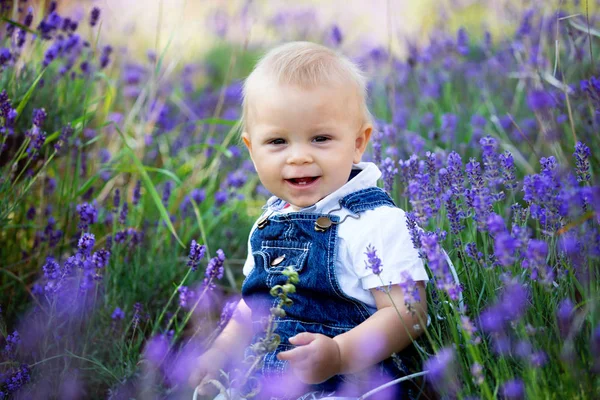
(320, 139)
(276, 142)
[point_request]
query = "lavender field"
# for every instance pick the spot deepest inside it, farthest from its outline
(126, 199)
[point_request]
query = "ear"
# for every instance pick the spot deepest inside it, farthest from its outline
(362, 139)
(247, 142)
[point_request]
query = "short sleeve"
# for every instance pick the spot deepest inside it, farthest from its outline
(385, 230)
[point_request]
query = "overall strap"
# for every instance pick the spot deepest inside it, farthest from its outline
(366, 199)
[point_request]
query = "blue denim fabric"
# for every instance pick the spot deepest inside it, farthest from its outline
(319, 305)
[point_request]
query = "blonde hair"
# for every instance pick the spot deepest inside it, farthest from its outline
(307, 65)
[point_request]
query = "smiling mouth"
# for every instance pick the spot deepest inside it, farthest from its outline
(303, 181)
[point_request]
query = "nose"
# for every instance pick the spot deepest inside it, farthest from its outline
(299, 155)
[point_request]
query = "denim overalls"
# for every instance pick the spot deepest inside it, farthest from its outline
(319, 306)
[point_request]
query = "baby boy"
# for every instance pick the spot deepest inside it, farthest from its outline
(306, 126)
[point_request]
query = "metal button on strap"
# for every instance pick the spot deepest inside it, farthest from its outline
(322, 224)
(263, 221)
(278, 260)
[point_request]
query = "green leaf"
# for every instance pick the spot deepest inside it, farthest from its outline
(150, 188)
(18, 25)
(28, 95)
(84, 188)
(164, 172)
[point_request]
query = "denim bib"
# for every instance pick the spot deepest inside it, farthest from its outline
(319, 304)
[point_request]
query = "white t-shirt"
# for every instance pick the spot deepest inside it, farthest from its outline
(384, 228)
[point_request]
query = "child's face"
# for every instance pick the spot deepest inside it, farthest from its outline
(303, 142)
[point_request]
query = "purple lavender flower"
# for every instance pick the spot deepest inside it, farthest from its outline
(220, 197)
(197, 252)
(410, 291)
(12, 341)
(505, 248)
(167, 192)
(455, 170)
(214, 269)
(535, 257)
(86, 244)
(414, 230)
(454, 214)
(30, 215)
(513, 389)
(116, 200)
(336, 35)
(373, 261)
(87, 215)
(462, 42)
(16, 379)
(438, 264)
(538, 100)
(100, 258)
(582, 165)
(39, 116)
(51, 269)
(5, 56)
(508, 170)
(448, 127)
(137, 193)
(227, 313)
(118, 314)
(186, 295)
(564, 316)
(123, 214)
(137, 314)
(442, 373)
(94, 16)
(388, 171)
(509, 308)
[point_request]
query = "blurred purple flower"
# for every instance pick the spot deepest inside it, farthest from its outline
(87, 215)
(564, 316)
(462, 42)
(94, 16)
(336, 35)
(388, 171)
(117, 314)
(410, 291)
(186, 295)
(123, 214)
(513, 389)
(442, 373)
(137, 193)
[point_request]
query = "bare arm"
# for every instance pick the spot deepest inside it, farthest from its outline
(383, 333)
(318, 357)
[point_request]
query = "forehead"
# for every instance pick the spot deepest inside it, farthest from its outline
(278, 103)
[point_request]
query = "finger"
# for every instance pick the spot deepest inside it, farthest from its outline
(299, 353)
(303, 338)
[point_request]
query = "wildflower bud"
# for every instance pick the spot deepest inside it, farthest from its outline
(289, 288)
(277, 312)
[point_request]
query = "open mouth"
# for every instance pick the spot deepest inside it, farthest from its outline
(304, 181)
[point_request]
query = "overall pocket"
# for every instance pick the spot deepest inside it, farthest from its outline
(281, 254)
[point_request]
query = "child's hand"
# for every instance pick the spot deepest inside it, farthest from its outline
(207, 367)
(316, 359)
